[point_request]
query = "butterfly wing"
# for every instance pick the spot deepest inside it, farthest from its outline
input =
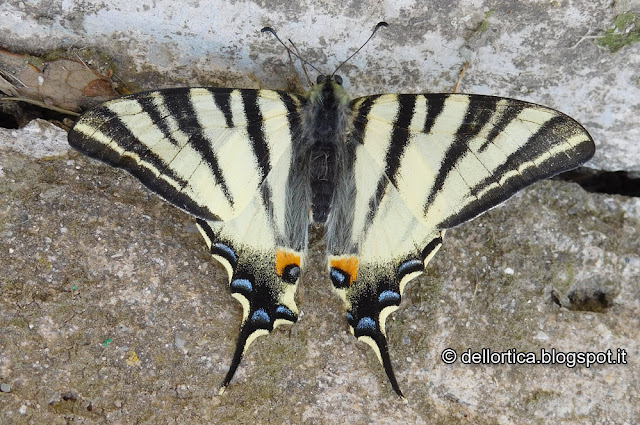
(425, 163)
(222, 155)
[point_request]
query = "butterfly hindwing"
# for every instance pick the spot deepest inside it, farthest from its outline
(263, 281)
(222, 155)
(425, 163)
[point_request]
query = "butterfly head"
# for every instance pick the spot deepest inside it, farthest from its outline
(328, 95)
(323, 79)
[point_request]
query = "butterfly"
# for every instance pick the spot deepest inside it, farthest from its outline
(385, 175)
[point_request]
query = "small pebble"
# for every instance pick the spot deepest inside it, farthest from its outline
(5, 388)
(179, 341)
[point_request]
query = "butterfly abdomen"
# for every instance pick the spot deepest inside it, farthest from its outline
(322, 179)
(327, 152)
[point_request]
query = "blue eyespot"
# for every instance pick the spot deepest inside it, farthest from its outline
(366, 324)
(260, 317)
(350, 319)
(291, 273)
(241, 285)
(389, 297)
(409, 266)
(338, 278)
(225, 252)
(285, 313)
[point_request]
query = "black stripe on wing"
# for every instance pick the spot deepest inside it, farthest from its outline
(397, 145)
(508, 113)
(108, 123)
(222, 99)
(255, 128)
(362, 117)
(400, 135)
(557, 129)
(291, 103)
(478, 113)
(183, 110)
(435, 105)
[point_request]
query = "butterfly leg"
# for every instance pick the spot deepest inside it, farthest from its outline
(461, 73)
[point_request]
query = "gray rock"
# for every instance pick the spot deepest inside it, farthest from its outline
(142, 272)
(548, 53)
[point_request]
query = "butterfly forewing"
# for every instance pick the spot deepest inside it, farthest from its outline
(201, 149)
(463, 154)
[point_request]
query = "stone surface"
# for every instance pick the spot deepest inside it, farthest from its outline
(113, 312)
(545, 52)
(38, 139)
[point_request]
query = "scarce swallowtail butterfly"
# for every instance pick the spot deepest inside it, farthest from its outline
(385, 175)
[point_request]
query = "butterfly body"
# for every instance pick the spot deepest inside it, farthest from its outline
(385, 175)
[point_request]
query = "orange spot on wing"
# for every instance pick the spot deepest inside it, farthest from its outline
(348, 265)
(284, 259)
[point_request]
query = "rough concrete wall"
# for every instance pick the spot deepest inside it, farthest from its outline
(112, 311)
(536, 51)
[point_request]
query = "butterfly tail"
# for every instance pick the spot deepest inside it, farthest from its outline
(372, 334)
(248, 333)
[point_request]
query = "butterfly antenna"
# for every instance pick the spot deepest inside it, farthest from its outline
(378, 26)
(304, 68)
(291, 52)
